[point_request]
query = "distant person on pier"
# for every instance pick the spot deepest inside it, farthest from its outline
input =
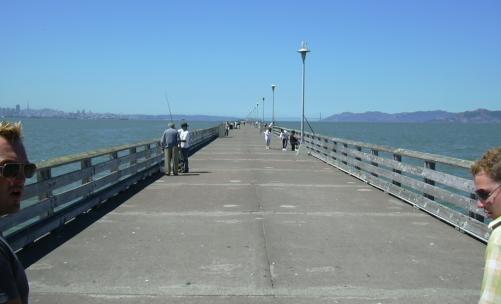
(14, 169)
(185, 141)
(169, 143)
(293, 140)
(267, 137)
(284, 136)
(227, 129)
(487, 178)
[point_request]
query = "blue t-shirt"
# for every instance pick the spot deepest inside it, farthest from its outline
(13, 282)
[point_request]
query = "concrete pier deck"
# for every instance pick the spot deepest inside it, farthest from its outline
(250, 225)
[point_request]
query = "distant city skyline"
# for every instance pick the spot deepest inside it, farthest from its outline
(475, 115)
(221, 57)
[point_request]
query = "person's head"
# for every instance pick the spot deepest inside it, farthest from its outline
(293, 132)
(282, 130)
(269, 129)
(487, 178)
(14, 167)
(184, 125)
(171, 125)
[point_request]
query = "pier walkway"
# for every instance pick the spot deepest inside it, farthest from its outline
(250, 225)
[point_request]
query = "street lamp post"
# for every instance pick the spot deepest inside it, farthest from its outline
(263, 110)
(257, 111)
(273, 86)
(303, 51)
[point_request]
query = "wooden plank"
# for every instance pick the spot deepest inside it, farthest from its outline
(64, 160)
(438, 176)
(27, 213)
(461, 163)
(420, 186)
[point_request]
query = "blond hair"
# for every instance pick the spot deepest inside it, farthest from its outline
(11, 131)
(490, 164)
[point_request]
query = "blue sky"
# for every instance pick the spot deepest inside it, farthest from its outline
(221, 57)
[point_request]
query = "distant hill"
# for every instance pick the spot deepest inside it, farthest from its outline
(477, 116)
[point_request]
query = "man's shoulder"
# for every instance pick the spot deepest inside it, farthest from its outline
(495, 237)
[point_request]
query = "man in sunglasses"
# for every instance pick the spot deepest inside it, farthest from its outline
(487, 177)
(14, 169)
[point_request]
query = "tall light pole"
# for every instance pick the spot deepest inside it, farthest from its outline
(257, 111)
(303, 51)
(263, 110)
(273, 86)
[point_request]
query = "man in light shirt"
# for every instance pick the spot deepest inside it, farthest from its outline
(185, 141)
(487, 177)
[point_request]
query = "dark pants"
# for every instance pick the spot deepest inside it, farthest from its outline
(293, 146)
(184, 159)
(284, 143)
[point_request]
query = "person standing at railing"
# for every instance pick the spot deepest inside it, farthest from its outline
(169, 143)
(487, 178)
(293, 140)
(185, 141)
(14, 169)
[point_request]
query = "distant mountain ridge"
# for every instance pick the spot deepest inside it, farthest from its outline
(476, 116)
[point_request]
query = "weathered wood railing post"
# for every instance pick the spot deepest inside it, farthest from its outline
(147, 149)
(345, 153)
(429, 165)
(114, 157)
(84, 164)
(375, 153)
(359, 149)
(133, 160)
(397, 158)
(334, 149)
(472, 214)
(43, 175)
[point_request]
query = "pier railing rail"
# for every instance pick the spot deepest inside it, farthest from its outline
(68, 186)
(436, 184)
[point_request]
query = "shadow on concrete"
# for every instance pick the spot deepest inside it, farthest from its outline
(32, 253)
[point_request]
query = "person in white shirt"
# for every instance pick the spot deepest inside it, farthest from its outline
(267, 137)
(185, 141)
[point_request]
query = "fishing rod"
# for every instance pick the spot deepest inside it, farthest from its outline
(168, 104)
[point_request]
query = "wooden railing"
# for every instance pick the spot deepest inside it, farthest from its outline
(437, 184)
(68, 186)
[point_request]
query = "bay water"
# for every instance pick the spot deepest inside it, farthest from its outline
(460, 140)
(46, 139)
(49, 138)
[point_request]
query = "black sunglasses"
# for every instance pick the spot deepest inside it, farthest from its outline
(483, 195)
(11, 170)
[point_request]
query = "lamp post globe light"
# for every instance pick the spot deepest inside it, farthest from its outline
(273, 86)
(303, 51)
